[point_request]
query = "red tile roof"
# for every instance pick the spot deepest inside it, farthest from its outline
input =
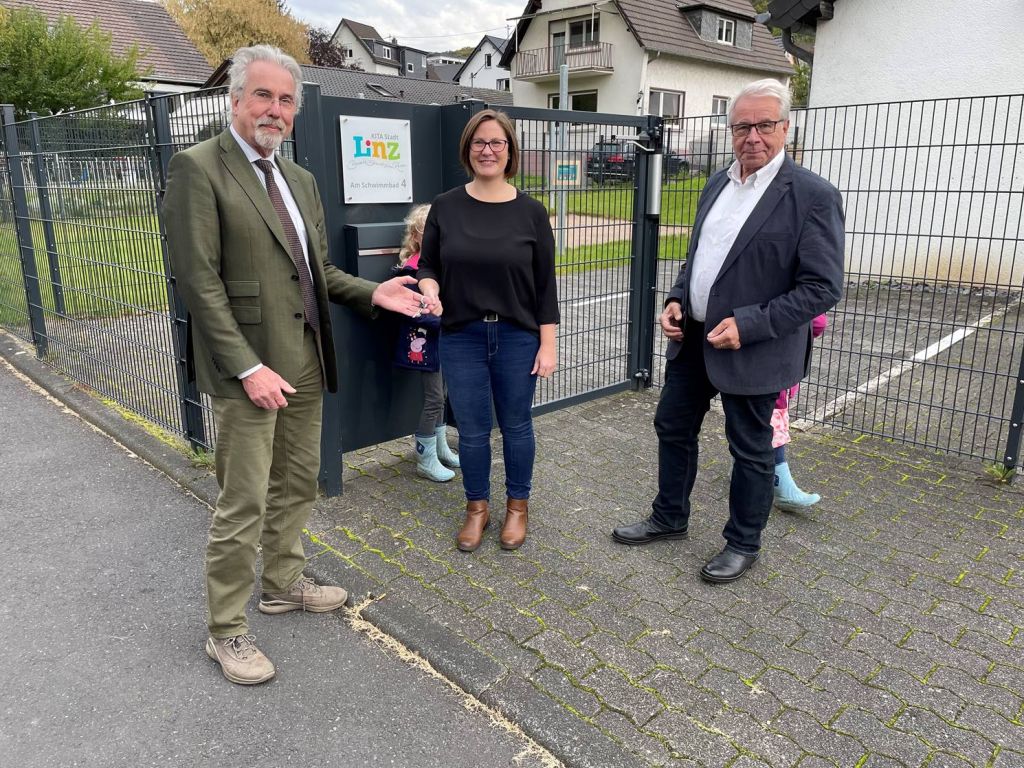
(163, 45)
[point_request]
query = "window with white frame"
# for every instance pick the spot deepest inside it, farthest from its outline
(580, 101)
(385, 52)
(666, 103)
(423, 62)
(487, 61)
(584, 32)
(720, 108)
(409, 67)
(726, 31)
(502, 83)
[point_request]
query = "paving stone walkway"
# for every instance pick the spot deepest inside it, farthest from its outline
(885, 628)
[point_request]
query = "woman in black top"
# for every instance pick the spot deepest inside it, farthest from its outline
(489, 256)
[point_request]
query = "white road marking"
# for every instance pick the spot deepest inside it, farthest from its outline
(598, 300)
(841, 403)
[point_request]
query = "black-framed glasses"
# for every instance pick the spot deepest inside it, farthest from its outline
(765, 127)
(496, 145)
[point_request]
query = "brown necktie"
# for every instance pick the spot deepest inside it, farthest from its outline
(294, 245)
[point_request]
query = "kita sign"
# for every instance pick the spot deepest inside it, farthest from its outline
(376, 160)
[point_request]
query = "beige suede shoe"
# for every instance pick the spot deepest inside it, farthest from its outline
(240, 660)
(304, 595)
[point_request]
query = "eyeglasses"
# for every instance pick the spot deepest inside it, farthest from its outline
(265, 99)
(765, 127)
(496, 145)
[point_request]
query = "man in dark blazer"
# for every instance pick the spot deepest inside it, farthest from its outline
(765, 257)
(248, 247)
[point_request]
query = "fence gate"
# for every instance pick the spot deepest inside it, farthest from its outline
(84, 273)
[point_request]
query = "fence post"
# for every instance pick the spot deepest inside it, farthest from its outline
(1011, 458)
(46, 214)
(644, 267)
(161, 144)
(23, 228)
(310, 154)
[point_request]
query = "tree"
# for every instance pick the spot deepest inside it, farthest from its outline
(219, 27)
(322, 51)
(49, 69)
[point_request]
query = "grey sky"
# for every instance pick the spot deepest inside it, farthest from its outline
(430, 25)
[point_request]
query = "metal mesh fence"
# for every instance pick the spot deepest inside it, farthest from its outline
(925, 346)
(13, 304)
(95, 296)
(584, 172)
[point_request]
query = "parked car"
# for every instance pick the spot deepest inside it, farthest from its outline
(615, 161)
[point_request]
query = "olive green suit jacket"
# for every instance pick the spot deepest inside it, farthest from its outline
(232, 266)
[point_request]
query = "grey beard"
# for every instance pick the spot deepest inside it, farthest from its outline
(270, 141)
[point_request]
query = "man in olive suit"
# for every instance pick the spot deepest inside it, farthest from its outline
(248, 246)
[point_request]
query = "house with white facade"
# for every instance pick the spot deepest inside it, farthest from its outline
(915, 111)
(880, 50)
(366, 49)
(664, 57)
(483, 68)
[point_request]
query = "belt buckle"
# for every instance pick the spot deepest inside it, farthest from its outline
(491, 317)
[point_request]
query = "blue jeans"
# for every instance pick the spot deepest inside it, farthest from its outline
(484, 360)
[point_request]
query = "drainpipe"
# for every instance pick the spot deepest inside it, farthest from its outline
(801, 53)
(787, 33)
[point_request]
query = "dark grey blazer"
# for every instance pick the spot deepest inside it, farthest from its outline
(785, 268)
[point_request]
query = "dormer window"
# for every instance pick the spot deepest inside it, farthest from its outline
(385, 52)
(726, 31)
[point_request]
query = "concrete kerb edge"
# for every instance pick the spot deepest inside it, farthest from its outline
(569, 738)
(575, 743)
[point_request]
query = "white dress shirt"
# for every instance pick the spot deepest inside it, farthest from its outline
(289, 202)
(722, 225)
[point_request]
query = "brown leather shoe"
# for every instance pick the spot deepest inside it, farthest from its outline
(477, 519)
(513, 530)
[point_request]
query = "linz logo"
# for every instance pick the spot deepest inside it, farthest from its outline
(376, 148)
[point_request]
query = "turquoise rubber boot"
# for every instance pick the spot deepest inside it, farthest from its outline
(427, 464)
(788, 497)
(447, 456)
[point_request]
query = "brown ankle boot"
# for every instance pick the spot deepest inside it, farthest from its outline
(477, 518)
(513, 530)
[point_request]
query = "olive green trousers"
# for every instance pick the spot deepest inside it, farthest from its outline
(267, 466)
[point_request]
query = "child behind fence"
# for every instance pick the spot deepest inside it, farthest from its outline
(788, 495)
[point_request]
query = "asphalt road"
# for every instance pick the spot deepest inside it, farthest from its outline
(102, 632)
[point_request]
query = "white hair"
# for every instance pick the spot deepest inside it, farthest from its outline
(244, 57)
(766, 87)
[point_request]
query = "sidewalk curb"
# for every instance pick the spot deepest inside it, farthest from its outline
(568, 738)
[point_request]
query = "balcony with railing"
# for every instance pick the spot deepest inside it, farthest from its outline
(544, 63)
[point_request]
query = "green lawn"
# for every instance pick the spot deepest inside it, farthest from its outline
(615, 201)
(615, 254)
(108, 266)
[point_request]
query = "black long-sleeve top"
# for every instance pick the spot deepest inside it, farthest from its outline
(490, 257)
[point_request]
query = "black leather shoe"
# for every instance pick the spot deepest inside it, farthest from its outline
(727, 566)
(645, 532)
